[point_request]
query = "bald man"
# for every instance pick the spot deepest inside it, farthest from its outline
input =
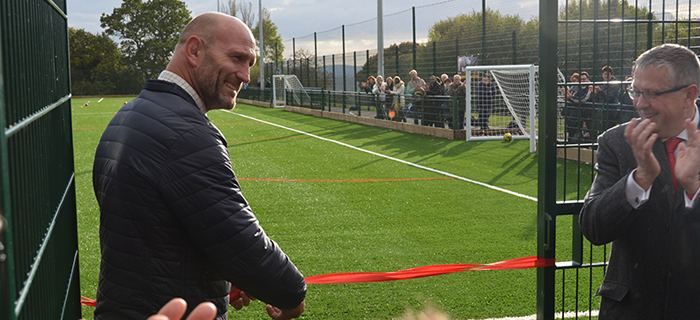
(173, 221)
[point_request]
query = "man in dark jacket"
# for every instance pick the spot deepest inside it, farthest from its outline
(431, 111)
(173, 220)
(644, 196)
(485, 91)
(606, 113)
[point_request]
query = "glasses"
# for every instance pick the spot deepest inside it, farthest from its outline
(651, 95)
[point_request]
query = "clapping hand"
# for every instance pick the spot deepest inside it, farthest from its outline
(641, 138)
(688, 160)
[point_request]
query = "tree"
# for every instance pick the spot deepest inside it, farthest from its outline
(272, 41)
(97, 66)
(148, 31)
(494, 46)
(309, 72)
(400, 55)
(240, 10)
(590, 46)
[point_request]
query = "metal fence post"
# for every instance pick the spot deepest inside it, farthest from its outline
(413, 23)
(546, 195)
(39, 275)
(434, 57)
(455, 113)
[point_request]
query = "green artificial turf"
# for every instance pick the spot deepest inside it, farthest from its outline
(336, 209)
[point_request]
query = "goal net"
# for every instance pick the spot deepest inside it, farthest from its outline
(279, 98)
(504, 99)
(284, 85)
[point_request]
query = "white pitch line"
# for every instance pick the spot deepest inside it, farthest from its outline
(558, 315)
(391, 158)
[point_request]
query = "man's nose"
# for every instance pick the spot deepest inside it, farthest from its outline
(640, 102)
(244, 74)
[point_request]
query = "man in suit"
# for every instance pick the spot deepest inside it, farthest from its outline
(643, 203)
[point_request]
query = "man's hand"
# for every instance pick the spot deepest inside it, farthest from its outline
(239, 299)
(642, 138)
(175, 309)
(688, 160)
(284, 314)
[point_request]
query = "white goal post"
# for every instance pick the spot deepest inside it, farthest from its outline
(281, 84)
(279, 98)
(512, 108)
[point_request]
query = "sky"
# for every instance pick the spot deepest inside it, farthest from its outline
(295, 18)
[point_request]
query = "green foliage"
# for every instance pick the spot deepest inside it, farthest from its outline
(400, 55)
(596, 9)
(148, 31)
(490, 38)
(588, 46)
(274, 48)
(683, 32)
(508, 40)
(97, 66)
(470, 25)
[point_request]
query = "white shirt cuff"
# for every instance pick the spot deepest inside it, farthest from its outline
(636, 196)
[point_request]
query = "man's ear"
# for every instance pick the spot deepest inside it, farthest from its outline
(692, 94)
(194, 50)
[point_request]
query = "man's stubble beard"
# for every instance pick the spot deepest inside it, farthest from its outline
(211, 88)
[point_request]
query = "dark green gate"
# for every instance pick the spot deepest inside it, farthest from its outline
(39, 247)
(575, 36)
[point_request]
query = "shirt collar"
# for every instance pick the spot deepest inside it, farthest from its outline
(177, 80)
(684, 134)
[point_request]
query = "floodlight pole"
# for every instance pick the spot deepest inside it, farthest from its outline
(217, 6)
(380, 39)
(262, 50)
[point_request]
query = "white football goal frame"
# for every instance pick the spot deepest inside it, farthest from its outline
(283, 83)
(279, 98)
(513, 107)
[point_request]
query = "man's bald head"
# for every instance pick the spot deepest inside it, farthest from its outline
(214, 55)
(206, 26)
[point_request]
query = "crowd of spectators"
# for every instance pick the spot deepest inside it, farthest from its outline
(589, 107)
(592, 108)
(428, 104)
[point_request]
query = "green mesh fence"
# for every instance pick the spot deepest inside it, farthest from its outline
(559, 36)
(39, 268)
(579, 36)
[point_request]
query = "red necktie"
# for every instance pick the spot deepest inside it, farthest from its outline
(671, 145)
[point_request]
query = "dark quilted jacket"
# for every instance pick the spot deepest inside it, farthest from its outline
(173, 220)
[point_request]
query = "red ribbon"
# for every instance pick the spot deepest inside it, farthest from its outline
(87, 302)
(345, 180)
(419, 272)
